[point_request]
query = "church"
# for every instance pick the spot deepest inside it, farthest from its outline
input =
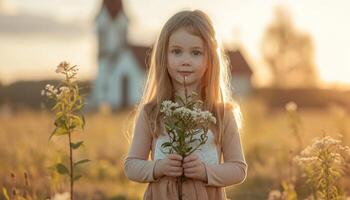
(122, 66)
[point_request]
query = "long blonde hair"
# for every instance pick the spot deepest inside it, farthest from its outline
(158, 85)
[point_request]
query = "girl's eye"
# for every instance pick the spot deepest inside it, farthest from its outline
(176, 51)
(196, 53)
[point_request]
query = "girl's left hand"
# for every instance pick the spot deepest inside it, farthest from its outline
(194, 168)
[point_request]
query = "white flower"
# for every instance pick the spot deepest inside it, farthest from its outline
(326, 141)
(208, 116)
(62, 66)
(274, 195)
(63, 196)
(49, 91)
(337, 158)
(346, 149)
(63, 88)
(167, 107)
(305, 160)
(291, 106)
(182, 111)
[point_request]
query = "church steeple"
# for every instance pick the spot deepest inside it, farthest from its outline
(113, 7)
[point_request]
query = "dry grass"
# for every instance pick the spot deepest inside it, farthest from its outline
(267, 140)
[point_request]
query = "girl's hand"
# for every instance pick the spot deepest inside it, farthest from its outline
(169, 166)
(194, 168)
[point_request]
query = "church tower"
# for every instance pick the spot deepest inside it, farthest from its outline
(115, 64)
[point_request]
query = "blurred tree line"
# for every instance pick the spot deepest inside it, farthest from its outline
(289, 53)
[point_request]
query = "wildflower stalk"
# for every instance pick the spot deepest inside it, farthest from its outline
(69, 117)
(323, 163)
(295, 122)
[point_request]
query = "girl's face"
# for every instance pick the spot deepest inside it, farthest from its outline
(186, 57)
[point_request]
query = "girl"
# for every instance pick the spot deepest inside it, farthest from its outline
(187, 47)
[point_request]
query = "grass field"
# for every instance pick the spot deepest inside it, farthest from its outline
(267, 139)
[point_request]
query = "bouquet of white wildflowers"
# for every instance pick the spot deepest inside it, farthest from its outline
(183, 122)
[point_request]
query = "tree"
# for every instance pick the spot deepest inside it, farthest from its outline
(289, 53)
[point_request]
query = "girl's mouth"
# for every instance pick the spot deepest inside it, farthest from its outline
(185, 73)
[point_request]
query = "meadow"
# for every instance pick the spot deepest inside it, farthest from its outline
(267, 135)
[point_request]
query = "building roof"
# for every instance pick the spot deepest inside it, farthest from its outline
(142, 55)
(238, 63)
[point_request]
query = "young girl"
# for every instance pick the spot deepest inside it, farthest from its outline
(187, 47)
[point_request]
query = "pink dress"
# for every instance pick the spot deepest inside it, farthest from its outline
(225, 163)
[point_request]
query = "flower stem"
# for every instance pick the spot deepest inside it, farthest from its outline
(179, 187)
(71, 166)
(70, 149)
(184, 83)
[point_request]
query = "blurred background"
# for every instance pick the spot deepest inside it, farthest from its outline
(281, 51)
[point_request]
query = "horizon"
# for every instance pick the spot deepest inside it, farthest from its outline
(71, 35)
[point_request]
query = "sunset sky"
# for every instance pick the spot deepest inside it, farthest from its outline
(36, 35)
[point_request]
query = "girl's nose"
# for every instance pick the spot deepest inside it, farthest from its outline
(186, 60)
(185, 64)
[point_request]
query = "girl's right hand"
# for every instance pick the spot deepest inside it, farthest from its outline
(171, 165)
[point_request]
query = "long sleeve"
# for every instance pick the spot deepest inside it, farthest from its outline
(234, 168)
(137, 167)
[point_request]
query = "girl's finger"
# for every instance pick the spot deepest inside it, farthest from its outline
(191, 158)
(175, 157)
(190, 164)
(190, 175)
(175, 163)
(190, 170)
(175, 174)
(175, 169)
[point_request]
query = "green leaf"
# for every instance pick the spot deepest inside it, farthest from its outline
(168, 127)
(62, 169)
(76, 145)
(56, 106)
(4, 191)
(189, 149)
(74, 100)
(166, 144)
(193, 140)
(76, 122)
(204, 137)
(77, 177)
(59, 131)
(76, 88)
(83, 118)
(61, 121)
(178, 98)
(80, 106)
(81, 162)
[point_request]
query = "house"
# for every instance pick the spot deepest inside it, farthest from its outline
(122, 67)
(241, 73)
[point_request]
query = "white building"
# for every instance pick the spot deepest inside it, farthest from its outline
(120, 73)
